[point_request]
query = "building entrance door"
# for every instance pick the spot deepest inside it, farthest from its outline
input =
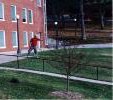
(38, 36)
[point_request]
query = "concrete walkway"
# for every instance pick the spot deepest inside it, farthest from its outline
(4, 58)
(12, 55)
(58, 75)
(107, 45)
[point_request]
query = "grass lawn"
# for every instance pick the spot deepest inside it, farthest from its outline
(98, 57)
(32, 86)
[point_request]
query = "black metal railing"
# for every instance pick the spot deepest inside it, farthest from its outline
(96, 72)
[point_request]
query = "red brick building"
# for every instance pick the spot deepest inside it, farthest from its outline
(31, 21)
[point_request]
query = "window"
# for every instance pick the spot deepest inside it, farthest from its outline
(30, 16)
(24, 15)
(39, 3)
(13, 13)
(2, 39)
(25, 39)
(14, 39)
(31, 35)
(1, 11)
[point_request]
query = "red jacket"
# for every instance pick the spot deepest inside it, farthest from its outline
(33, 41)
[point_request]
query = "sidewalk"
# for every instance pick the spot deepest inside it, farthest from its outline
(58, 75)
(4, 58)
(107, 45)
(11, 56)
(22, 51)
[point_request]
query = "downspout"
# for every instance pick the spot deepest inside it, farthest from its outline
(45, 22)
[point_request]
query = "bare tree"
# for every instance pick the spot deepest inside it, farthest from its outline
(66, 60)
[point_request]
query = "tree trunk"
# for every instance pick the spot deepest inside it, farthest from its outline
(102, 21)
(83, 35)
(102, 15)
(68, 70)
(67, 81)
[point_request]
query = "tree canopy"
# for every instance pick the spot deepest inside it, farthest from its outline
(59, 7)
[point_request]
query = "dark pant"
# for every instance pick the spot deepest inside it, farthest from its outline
(32, 48)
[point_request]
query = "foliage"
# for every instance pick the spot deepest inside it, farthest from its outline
(32, 86)
(62, 6)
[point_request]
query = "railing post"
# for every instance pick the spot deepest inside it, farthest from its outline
(17, 62)
(43, 66)
(97, 73)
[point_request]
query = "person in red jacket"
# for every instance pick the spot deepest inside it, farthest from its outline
(33, 44)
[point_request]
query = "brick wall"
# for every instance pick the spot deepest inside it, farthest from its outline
(9, 26)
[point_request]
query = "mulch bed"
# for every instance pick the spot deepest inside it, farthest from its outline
(67, 95)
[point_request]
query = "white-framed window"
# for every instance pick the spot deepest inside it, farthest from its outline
(30, 16)
(1, 11)
(31, 35)
(39, 3)
(24, 15)
(25, 39)
(13, 13)
(2, 39)
(14, 39)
